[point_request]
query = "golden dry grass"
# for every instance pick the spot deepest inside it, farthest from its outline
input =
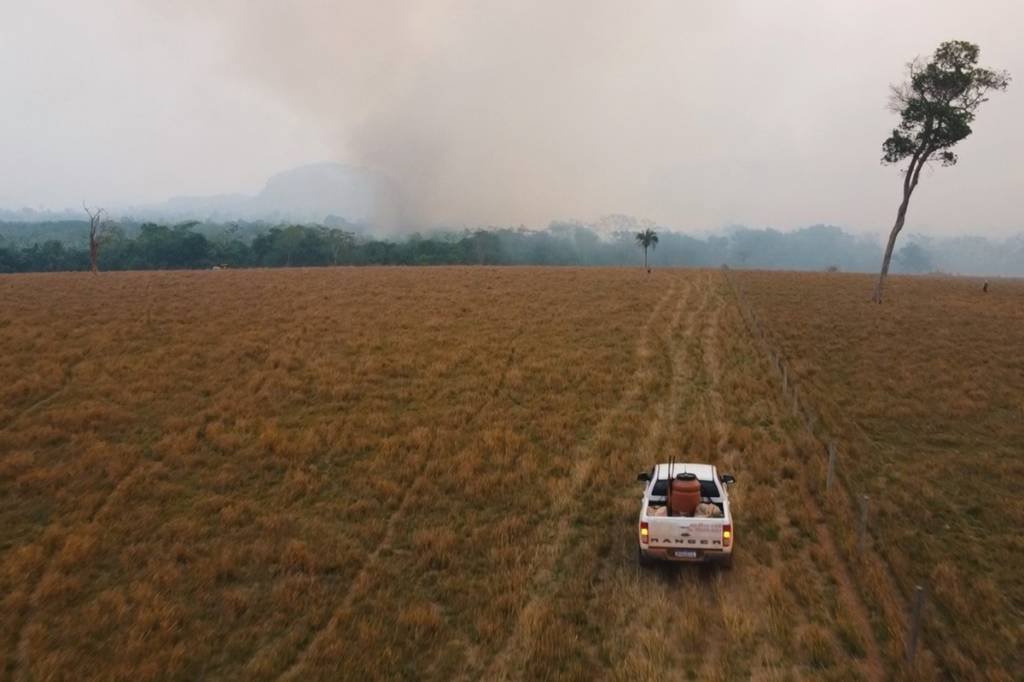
(924, 396)
(398, 473)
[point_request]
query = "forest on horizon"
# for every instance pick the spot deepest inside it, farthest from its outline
(128, 245)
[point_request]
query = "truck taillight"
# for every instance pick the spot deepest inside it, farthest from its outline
(645, 533)
(726, 535)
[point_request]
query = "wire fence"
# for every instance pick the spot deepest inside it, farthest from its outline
(850, 509)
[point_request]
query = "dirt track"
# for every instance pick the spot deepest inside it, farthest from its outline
(697, 415)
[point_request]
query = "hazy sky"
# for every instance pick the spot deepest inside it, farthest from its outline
(693, 114)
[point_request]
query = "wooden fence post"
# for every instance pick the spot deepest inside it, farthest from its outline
(831, 467)
(864, 501)
(915, 624)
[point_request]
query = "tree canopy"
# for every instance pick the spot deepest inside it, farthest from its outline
(646, 239)
(937, 103)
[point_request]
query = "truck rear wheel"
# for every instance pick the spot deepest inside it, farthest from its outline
(642, 559)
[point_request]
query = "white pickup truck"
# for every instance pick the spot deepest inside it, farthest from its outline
(701, 531)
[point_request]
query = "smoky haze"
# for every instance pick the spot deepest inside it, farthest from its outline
(694, 115)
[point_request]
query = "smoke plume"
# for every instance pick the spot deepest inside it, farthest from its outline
(691, 114)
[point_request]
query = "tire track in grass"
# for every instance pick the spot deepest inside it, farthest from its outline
(727, 622)
(620, 575)
(617, 574)
(708, 590)
(669, 433)
(65, 383)
(716, 422)
(710, 412)
(359, 581)
(22, 644)
(853, 605)
(701, 427)
(66, 374)
(670, 409)
(363, 578)
(510, 658)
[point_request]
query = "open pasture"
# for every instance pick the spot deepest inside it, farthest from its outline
(419, 473)
(924, 397)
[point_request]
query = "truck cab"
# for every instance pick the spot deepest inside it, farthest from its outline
(685, 515)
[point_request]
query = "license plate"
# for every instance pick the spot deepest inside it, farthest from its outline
(685, 553)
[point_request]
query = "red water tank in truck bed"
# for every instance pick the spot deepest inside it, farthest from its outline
(684, 495)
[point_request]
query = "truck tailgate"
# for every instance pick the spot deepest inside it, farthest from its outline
(684, 532)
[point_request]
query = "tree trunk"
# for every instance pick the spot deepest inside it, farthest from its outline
(901, 216)
(94, 244)
(94, 252)
(645, 258)
(95, 219)
(917, 162)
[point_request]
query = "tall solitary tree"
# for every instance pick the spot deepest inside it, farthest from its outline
(96, 225)
(936, 104)
(647, 239)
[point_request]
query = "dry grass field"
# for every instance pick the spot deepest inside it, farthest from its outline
(925, 398)
(391, 473)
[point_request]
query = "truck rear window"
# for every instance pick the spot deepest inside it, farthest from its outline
(707, 488)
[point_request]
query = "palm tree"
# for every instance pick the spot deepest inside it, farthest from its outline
(647, 239)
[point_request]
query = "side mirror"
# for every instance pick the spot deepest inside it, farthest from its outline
(728, 479)
(643, 477)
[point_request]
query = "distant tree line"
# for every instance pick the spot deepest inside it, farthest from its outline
(60, 246)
